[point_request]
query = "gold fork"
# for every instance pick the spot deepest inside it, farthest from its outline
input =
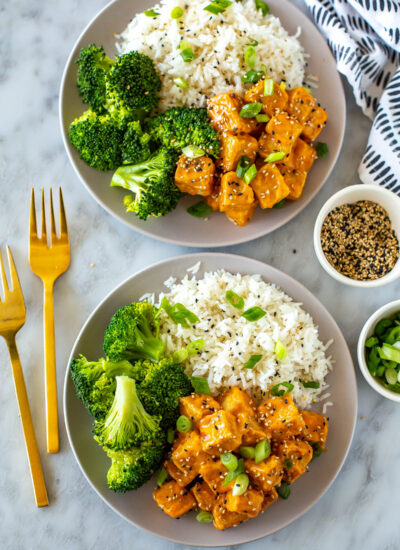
(12, 318)
(49, 263)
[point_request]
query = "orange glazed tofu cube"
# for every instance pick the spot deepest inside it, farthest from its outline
(314, 123)
(219, 433)
(269, 186)
(233, 148)
(301, 103)
(316, 427)
(197, 406)
(238, 401)
(277, 101)
(223, 518)
(252, 431)
(195, 176)
(224, 110)
(250, 503)
(302, 157)
(269, 498)
(295, 455)
(187, 452)
(184, 477)
(267, 144)
(235, 192)
(204, 496)
(295, 180)
(240, 215)
(213, 199)
(173, 499)
(285, 130)
(281, 417)
(213, 472)
(265, 475)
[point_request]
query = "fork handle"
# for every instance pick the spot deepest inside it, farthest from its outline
(39, 486)
(50, 370)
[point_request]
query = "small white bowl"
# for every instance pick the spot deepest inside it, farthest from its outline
(367, 331)
(375, 193)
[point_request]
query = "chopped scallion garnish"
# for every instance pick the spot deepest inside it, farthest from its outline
(263, 6)
(187, 55)
(250, 174)
(279, 204)
(250, 110)
(234, 299)
(179, 313)
(252, 362)
(268, 87)
(200, 385)
(184, 424)
(282, 85)
(288, 464)
(199, 210)
(253, 42)
(192, 151)
(280, 350)
(241, 483)
(195, 346)
(217, 6)
(283, 490)
(252, 76)
(231, 476)
(230, 461)
(250, 56)
(262, 451)
(262, 118)
(151, 13)
(161, 476)
(176, 13)
(322, 149)
(242, 166)
(204, 517)
(275, 157)
(170, 435)
(253, 314)
(281, 389)
(247, 452)
(181, 83)
(310, 384)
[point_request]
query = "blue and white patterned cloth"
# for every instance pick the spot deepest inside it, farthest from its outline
(364, 36)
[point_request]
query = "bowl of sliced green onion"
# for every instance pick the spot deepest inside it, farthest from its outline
(379, 351)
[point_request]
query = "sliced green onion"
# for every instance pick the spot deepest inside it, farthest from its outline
(317, 450)
(262, 451)
(274, 157)
(180, 355)
(213, 8)
(247, 452)
(279, 204)
(253, 42)
(392, 337)
(250, 174)
(250, 56)
(187, 54)
(170, 435)
(391, 376)
(310, 384)
(151, 13)
(253, 314)
(204, 517)
(176, 13)
(200, 385)
(389, 352)
(161, 476)
(179, 313)
(252, 76)
(192, 151)
(281, 389)
(262, 118)
(380, 371)
(250, 110)
(280, 350)
(242, 166)
(268, 87)
(282, 85)
(199, 210)
(321, 149)
(181, 83)
(230, 461)
(184, 424)
(288, 464)
(234, 299)
(231, 476)
(252, 362)
(373, 360)
(241, 484)
(195, 346)
(371, 342)
(283, 490)
(263, 6)
(382, 326)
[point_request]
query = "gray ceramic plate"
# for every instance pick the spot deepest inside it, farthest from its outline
(179, 227)
(138, 507)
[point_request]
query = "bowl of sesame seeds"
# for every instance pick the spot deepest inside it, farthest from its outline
(356, 236)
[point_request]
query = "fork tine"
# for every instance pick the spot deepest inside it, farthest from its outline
(63, 218)
(52, 219)
(16, 286)
(44, 234)
(3, 277)
(32, 218)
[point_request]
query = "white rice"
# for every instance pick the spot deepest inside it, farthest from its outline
(219, 42)
(231, 340)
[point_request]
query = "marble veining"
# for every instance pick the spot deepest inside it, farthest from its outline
(360, 510)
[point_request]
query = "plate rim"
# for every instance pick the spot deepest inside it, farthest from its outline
(179, 241)
(199, 256)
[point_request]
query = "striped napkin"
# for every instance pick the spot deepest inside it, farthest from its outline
(364, 36)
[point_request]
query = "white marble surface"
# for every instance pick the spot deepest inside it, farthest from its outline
(360, 510)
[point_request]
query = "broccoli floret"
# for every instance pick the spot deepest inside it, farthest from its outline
(93, 68)
(182, 126)
(95, 382)
(135, 81)
(135, 147)
(98, 140)
(132, 468)
(164, 383)
(152, 185)
(133, 334)
(127, 424)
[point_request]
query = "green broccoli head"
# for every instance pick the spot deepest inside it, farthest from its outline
(127, 424)
(93, 66)
(135, 81)
(135, 147)
(131, 469)
(95, 382)
(164, 384)
(133, 334)
(98, 140)
(152, 184)
(182, 126)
